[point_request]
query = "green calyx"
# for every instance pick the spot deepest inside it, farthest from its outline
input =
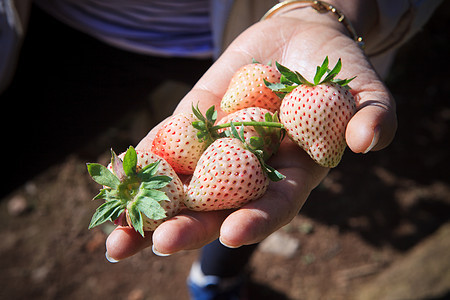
(271, 132)
(291, 79)
(256, 146)
(128, 189)
(205, 125)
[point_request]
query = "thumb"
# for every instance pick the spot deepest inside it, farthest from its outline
(374, 125)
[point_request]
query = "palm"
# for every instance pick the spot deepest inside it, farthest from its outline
(299, 46)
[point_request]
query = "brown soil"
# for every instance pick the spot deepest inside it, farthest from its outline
(370, 212)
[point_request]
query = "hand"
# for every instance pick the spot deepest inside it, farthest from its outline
(300, 41)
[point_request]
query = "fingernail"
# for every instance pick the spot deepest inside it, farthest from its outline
(376, 137)
(156, 252)
(110, 259)
(228, 246)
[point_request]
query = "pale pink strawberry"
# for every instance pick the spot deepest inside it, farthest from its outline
(316, 118)
(248, 114)
(247, 89)
(140, 190)
(177, 142)
(227, 176)
(271, 136)
(315, 115)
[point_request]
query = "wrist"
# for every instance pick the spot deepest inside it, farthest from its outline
(363, 14)
(356, 17)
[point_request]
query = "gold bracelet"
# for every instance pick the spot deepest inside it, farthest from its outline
(320, 7)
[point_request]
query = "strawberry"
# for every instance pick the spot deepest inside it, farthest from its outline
(177, 142)
(247, 89)
(271, 137)
(142, 190)
(315, 114)
(228, 175)
(183, 137)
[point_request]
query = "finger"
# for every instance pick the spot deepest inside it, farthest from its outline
(188, 230)
(280, 204)
(373, 127)
(255, 221)
(125, 241)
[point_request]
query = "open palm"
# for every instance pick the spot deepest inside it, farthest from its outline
(300, 44)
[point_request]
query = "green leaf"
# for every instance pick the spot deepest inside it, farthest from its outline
(279, 87)
(344, 82)
(288, 74)
(261, 130)
(268, 117)
(273, 174)
(154, 194)
(205, 125)
(227, 133)
(149, 171)
(197, 113)
(117, 212)
(211, 115)
(238, 135)
(102, 175)
(241, 133)
(157, 182)
(105, 211)
(332, 74)
(107, 194)
(130, 161)
(234, 132)
(302, 79)
(101, 195)
(199, 125)
(294, 77)
(201, 136)
(321, 71)
(275, 117)
(285, 81)
(256, 142)
(136, 218)
(151, 208)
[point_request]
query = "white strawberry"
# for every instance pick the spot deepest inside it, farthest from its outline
(142, 190)
(270, 136)
(315, 114)
(247, 89)
(228, 175)
(176, 141)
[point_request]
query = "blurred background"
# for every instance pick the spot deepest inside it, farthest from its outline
(376, 228)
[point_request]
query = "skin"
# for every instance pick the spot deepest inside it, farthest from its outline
(299, 40)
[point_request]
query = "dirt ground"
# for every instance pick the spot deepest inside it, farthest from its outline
(370, 213)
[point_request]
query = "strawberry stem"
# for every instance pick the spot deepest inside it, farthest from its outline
(249, 123)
